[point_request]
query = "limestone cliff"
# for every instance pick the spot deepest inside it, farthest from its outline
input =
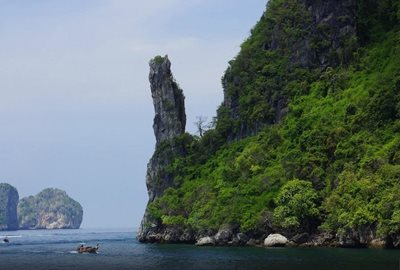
(8, 207)
(50, 209)
(293, 39)
(169, 124)
(305, 149)
(332, 30)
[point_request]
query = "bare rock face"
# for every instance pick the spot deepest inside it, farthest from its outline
(334, 22)
(169, 123)
(168, 100)
(8, 207)
(50, 209)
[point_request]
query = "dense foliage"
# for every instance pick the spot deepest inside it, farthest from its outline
(341, 137)
(296, 203)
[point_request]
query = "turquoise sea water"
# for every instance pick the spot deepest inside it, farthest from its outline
(55, 249)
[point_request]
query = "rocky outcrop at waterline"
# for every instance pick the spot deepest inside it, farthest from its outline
(275, 240)
(8, 207)
(50, 209)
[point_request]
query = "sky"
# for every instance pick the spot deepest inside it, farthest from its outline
(75, 104)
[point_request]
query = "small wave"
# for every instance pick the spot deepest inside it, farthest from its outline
(10, 236)
(80, 254)
(35, 251)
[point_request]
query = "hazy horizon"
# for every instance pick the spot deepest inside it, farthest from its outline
(76, 108)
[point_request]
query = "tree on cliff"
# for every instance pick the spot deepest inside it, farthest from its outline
(297, 204)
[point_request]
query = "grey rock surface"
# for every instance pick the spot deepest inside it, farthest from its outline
(206, 241)
(275, 240)
(168, 101)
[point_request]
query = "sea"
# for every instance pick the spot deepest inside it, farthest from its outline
(119, 249)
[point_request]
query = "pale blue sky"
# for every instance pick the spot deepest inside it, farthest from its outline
(75, 105)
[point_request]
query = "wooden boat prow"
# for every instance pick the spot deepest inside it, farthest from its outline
(83, 249)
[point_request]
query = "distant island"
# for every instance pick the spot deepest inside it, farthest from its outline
(304, 149)
(50, 209)
(8, 207)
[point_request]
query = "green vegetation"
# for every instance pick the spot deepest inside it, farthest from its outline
(296, 202)
(159, 59)
(340, 136)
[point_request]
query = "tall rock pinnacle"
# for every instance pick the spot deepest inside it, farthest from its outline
(169, 123)
(168, 100)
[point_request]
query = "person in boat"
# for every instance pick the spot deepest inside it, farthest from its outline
(81, 248)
